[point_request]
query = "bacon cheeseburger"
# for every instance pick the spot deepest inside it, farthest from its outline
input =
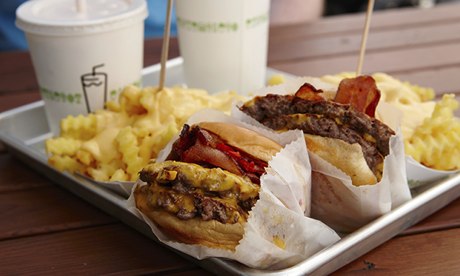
(204, 191)
(342, 131)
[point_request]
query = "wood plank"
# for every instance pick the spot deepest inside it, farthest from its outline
(16, 73)
(379, 40)
(11, 100)
(42, 210)
(447, 217)
(384, 19)
(393, 62)
(93, 251)
(443, 79)
(390, 61)
(16, 176)
(152, 50)
(427, 254)
(192, 272)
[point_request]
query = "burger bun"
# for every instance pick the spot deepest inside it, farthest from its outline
(347, 157)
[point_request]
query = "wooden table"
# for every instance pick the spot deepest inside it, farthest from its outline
(46, 230)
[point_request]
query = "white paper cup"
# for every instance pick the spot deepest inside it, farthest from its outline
(223, 43)
(83, 59)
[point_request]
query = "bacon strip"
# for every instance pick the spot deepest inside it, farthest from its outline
(360, 92)
(206, 155)
(248, 164)
(309, 92)
(199, 146)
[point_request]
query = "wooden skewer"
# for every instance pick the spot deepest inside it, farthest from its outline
(81, 6)
(370, 8)
(165, 47)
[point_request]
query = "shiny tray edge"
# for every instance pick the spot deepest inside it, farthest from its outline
(429, 199)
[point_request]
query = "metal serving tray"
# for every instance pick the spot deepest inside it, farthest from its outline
(23, 131)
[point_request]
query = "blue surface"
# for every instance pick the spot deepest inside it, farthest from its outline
(12, 38)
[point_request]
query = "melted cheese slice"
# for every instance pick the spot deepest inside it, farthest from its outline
(207, 179)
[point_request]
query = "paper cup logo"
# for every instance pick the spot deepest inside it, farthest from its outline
(94, 88)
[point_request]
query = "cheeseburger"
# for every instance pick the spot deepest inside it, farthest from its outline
(341, 130)
(203, 192)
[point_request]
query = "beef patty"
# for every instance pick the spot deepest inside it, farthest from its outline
(323, 118)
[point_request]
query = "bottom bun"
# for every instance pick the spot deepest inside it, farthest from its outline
(347, 157)
(210, 233)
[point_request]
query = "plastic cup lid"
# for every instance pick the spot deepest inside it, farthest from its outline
(60, 17)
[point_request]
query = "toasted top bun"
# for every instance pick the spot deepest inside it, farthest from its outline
(245, 139)
(210, 233)
(347, 157)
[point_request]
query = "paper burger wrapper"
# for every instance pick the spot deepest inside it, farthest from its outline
(277, 233)
(335, 200)
(345, 207)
